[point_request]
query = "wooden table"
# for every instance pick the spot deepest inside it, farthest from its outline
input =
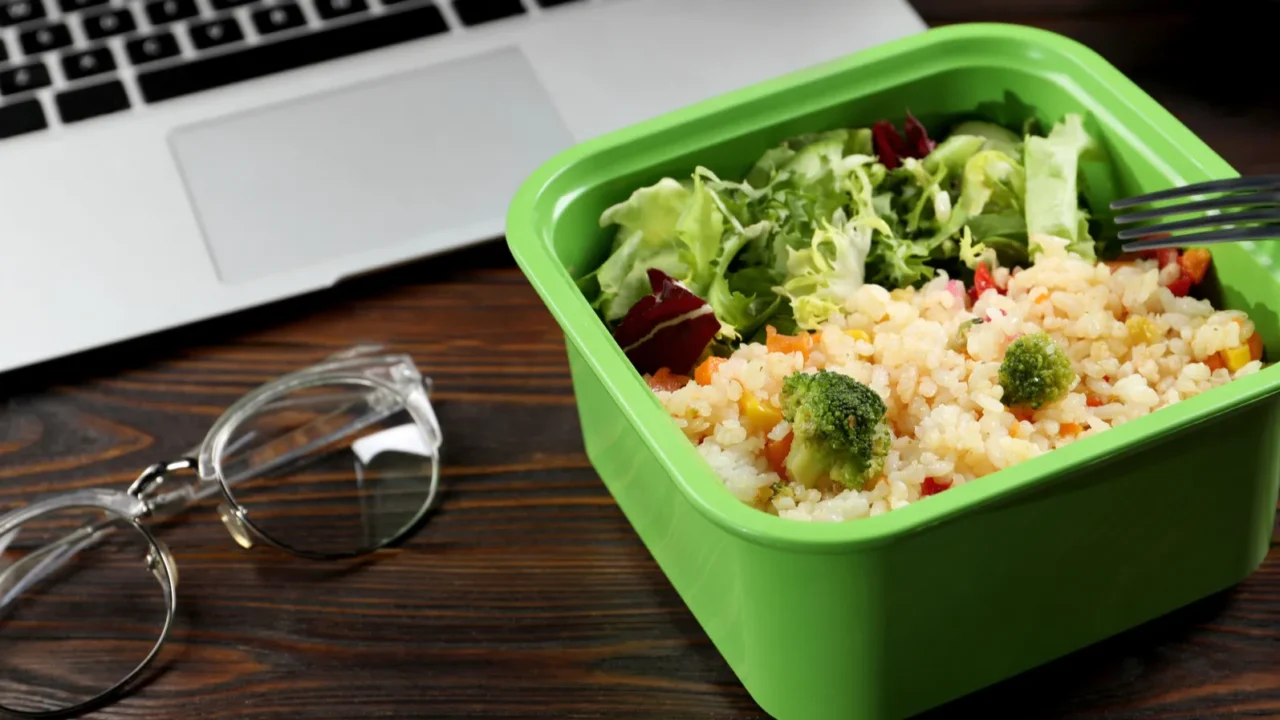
(528, 594)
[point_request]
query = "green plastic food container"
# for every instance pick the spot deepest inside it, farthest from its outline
(891, 615)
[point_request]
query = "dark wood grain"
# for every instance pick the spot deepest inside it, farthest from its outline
(527, 595)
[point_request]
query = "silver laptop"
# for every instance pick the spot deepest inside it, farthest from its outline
(167, 161)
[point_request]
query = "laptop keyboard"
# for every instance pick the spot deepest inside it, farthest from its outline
(98, 57)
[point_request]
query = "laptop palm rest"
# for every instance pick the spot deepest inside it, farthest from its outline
(398, 160)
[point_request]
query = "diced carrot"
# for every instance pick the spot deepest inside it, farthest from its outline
(775, 453)
(707, 370)
(1195, 264)
(1094, 401)
(1069, 429)
(666, 380)
(1214, 362)
(1023, 414)
(775, 342)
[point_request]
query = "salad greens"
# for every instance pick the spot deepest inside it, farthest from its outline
(821, 214)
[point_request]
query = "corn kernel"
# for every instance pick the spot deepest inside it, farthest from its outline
(764, 495)
(858, 335)
(757, 416)
(1236, 357)
(1141, 330)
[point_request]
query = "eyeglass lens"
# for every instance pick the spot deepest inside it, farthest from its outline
(333, 469)
(82, 604)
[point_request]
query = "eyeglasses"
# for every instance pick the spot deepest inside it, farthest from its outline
(332, 462)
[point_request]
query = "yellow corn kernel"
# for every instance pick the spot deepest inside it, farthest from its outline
(757, 416)
(858, 335)
(764, 495)
(1236, 357)
(1141, 329)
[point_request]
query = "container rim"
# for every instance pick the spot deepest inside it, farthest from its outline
(695, 479)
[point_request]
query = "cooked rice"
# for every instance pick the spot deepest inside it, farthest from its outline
(944, 404)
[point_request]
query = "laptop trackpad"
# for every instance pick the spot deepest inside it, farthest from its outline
(405, 158)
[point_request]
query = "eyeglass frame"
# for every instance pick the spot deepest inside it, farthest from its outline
(394, 373)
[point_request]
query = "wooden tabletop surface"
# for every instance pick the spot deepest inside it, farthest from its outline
(528, 595)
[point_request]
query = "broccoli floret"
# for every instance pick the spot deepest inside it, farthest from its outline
(839, 429)
(1035, 372)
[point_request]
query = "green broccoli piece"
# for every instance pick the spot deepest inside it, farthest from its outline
(1035, 372)
(839, 429)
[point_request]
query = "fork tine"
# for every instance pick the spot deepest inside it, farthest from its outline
(1218, 203)
(1265, 232)
(1258, 182)
(1204, 221)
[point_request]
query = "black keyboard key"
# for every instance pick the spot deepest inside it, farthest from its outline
(474, 12)
(4, 53)
(90, 102)
(217, 32)
(70, 6)
(88, 63)
(162, 12)
(113, 22)
(296, 52)
(554, 3)
(280, 17)
(24, 117)
(150, 48)
(45, 38)
(228, 4)
(330, 9)
(14, 12)
(24, 78)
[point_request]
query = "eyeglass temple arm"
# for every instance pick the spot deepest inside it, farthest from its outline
(43, 562)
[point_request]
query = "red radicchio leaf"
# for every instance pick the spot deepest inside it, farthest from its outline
(889, 144)
(891, 148)
(669, 328)
(918, 142)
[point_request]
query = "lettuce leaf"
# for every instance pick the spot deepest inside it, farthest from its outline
(952, 153)
(1004, 233)
(898, 262)
(743, 299)
(670, 226)
(972, 253)
(994, 137)
(645, 239)
(1052, 164)
(823, 277)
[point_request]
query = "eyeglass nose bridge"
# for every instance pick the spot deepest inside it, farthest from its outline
(150, 486)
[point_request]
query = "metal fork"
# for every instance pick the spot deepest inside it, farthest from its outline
(1262, 222)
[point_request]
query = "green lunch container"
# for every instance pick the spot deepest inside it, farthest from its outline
(890, 615)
